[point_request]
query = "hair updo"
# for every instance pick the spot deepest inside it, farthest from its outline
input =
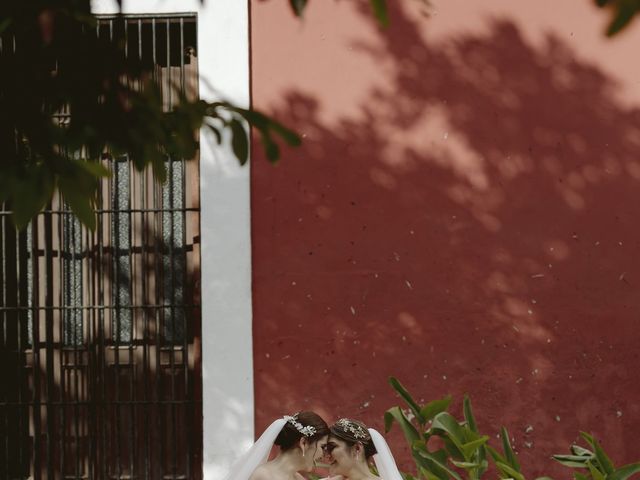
(352, 432)
(291, 432)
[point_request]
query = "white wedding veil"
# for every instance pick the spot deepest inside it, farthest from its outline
(257, 454)
(385, 463)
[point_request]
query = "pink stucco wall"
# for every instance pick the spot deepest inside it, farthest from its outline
(463, 215)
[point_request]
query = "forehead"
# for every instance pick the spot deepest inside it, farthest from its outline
(332, 439)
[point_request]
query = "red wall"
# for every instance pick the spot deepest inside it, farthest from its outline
(463, 215)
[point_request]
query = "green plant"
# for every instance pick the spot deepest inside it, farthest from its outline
(594, 464)
(464, 450)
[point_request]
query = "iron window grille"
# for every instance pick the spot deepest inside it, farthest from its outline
(100, 331)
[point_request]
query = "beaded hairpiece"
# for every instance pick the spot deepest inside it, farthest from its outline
(353, 428)
(307, 431)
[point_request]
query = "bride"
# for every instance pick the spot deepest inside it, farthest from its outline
(351, 445)
(299, 437)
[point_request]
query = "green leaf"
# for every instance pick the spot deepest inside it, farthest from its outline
(270, 147)
(253, 117)
(289, 136)
(572, 458)
(435, 407)
(468, 414)
(623, 16)
(4, 24)
(583, 452)
(465, 465)
(625, 472)
(95, 168)
(430, 475)
(453, 450)
(216, 133)
(380, 11)
(157, 161)
(604, 461)
(444, 421)
(30, 193)
(510, 455)
(239, 141)
(395, 413)
(298, 6)
(437, 464)
(407, 476)
(80, 203)
(579, 476)
(426, 465)
(572, 461)
(406, 396)
(495, 454)
(509, 471)
(477, 450)
(471, 447)
(595, 473)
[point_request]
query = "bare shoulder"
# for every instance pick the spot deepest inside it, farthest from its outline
(261, 473)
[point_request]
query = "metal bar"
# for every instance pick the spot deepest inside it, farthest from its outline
(150, 16)
(91, 356)
(68, 212)
(116, 339)
(182, 56)
(49, 300)
(5, 334)
(172, 311)
(21, 279)
(145, 433)
(99, 307)
(62, 340)
(185, 318)
(159, 319)
(101, 422)
(77, 345)
(35, 467)
(146, 368)
(131, 319)
(169, 84)
(97, 402)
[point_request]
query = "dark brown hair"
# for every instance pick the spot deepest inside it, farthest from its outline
(290, 435)
(352, 432)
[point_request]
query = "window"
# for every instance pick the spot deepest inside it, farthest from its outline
(99, 331)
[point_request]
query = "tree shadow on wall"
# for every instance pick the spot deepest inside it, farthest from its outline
(472, 231)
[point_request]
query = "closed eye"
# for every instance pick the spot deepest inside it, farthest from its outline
(328, 447)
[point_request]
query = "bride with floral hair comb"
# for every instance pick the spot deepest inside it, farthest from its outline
(299, 437)
(351, 446)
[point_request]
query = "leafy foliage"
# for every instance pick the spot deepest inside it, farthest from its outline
(623, 11)
(70, 97)
(464, 452)
(378, 7)
(593, 463)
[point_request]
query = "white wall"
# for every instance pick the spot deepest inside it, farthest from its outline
(227, 364)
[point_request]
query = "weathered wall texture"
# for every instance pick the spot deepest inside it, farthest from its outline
(463, 215)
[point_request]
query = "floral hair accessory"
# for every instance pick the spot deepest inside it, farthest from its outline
(307, 431)
(353, 428)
